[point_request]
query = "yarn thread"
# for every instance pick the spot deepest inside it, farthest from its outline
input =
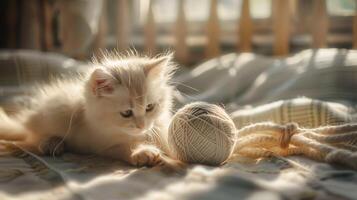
(204, 133)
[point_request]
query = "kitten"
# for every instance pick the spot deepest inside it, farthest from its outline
(119, 109)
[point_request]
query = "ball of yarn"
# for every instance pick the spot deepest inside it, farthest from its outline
(201, 133)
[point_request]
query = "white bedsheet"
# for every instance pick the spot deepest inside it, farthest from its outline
(237, 81)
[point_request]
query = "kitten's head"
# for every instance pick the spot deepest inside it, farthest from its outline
(130, 93)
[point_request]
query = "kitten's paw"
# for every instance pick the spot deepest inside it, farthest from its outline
(53, 146)
(169, 165)
(146, 156)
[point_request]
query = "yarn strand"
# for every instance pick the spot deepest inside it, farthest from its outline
(204, 133)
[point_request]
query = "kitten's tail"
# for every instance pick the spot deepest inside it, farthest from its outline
(10, 129)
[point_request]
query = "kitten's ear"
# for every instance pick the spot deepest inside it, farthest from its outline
(159, 66)
(101, 82)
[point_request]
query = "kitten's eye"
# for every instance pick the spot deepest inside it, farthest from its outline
(127, 113)
(150, 107)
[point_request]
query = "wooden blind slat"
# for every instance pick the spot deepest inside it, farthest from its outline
(150, 40)
(30, 25)
(181, 34)
(47, 26)
(212, 48)
(11, 24)
(320, 25)
(123, 25)
(281, 26)
(355, 28)
(245, 29)
(99, 43)
(304, 16)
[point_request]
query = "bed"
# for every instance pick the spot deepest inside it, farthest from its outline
(239, 81)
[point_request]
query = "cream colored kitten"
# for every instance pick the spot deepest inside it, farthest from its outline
(120, 109)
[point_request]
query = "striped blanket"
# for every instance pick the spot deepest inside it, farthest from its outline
(308, 113)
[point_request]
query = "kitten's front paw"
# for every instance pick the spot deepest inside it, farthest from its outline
(146, 156)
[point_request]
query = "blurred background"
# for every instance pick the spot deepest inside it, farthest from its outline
(195, 29)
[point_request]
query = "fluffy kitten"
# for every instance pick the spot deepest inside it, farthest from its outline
(120, 109)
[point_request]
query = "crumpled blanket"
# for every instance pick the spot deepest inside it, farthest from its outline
(239, 81)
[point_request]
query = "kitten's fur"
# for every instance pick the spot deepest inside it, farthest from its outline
(86, 113)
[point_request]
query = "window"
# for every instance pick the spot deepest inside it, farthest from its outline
(341, 7)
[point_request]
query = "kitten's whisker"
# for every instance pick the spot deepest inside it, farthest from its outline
(186, 95)
(187, 86)
(154, 133)
(66, 134)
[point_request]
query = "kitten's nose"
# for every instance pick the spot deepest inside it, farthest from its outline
(140, 123)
